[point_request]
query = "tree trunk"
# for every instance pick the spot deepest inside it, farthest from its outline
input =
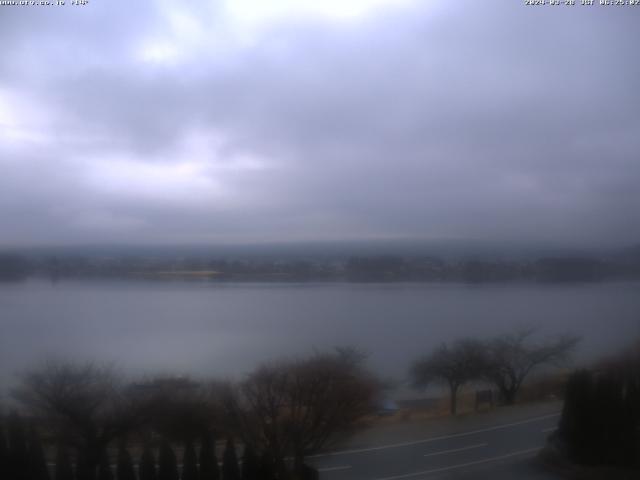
(454, 399)
(508, 395)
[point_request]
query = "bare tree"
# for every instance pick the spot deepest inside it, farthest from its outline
(454, 365)
(295, 408)
(86, 405)
(510, 358)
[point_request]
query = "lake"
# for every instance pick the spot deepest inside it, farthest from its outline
(225, 329)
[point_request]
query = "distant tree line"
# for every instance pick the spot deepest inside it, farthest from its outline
(13, 267)
(560, 269)
(102, 428)
(381, 268)
(504, 361)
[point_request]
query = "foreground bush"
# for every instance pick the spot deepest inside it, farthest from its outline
(63, 469)
(190, 463)
(147, 470)
(600, 422)
(37, 464)
(230, 469)
(208, 462)
(167, 463)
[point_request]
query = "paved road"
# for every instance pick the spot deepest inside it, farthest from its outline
(496, 445)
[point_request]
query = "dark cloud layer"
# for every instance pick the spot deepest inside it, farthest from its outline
(481, 120)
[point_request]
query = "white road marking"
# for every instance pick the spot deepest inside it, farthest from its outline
(462, 465)
(453, 450)
(333, 469)
(547, 430)
(433, 439)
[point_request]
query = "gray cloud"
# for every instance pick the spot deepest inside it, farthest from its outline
(439, 120)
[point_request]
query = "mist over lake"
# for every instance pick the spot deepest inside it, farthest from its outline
(226, 329)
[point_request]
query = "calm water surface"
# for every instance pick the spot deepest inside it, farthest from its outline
(226, 329)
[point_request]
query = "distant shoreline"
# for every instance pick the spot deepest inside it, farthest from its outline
(357, 269)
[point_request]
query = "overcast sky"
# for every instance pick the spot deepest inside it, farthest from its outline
(260, 121)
